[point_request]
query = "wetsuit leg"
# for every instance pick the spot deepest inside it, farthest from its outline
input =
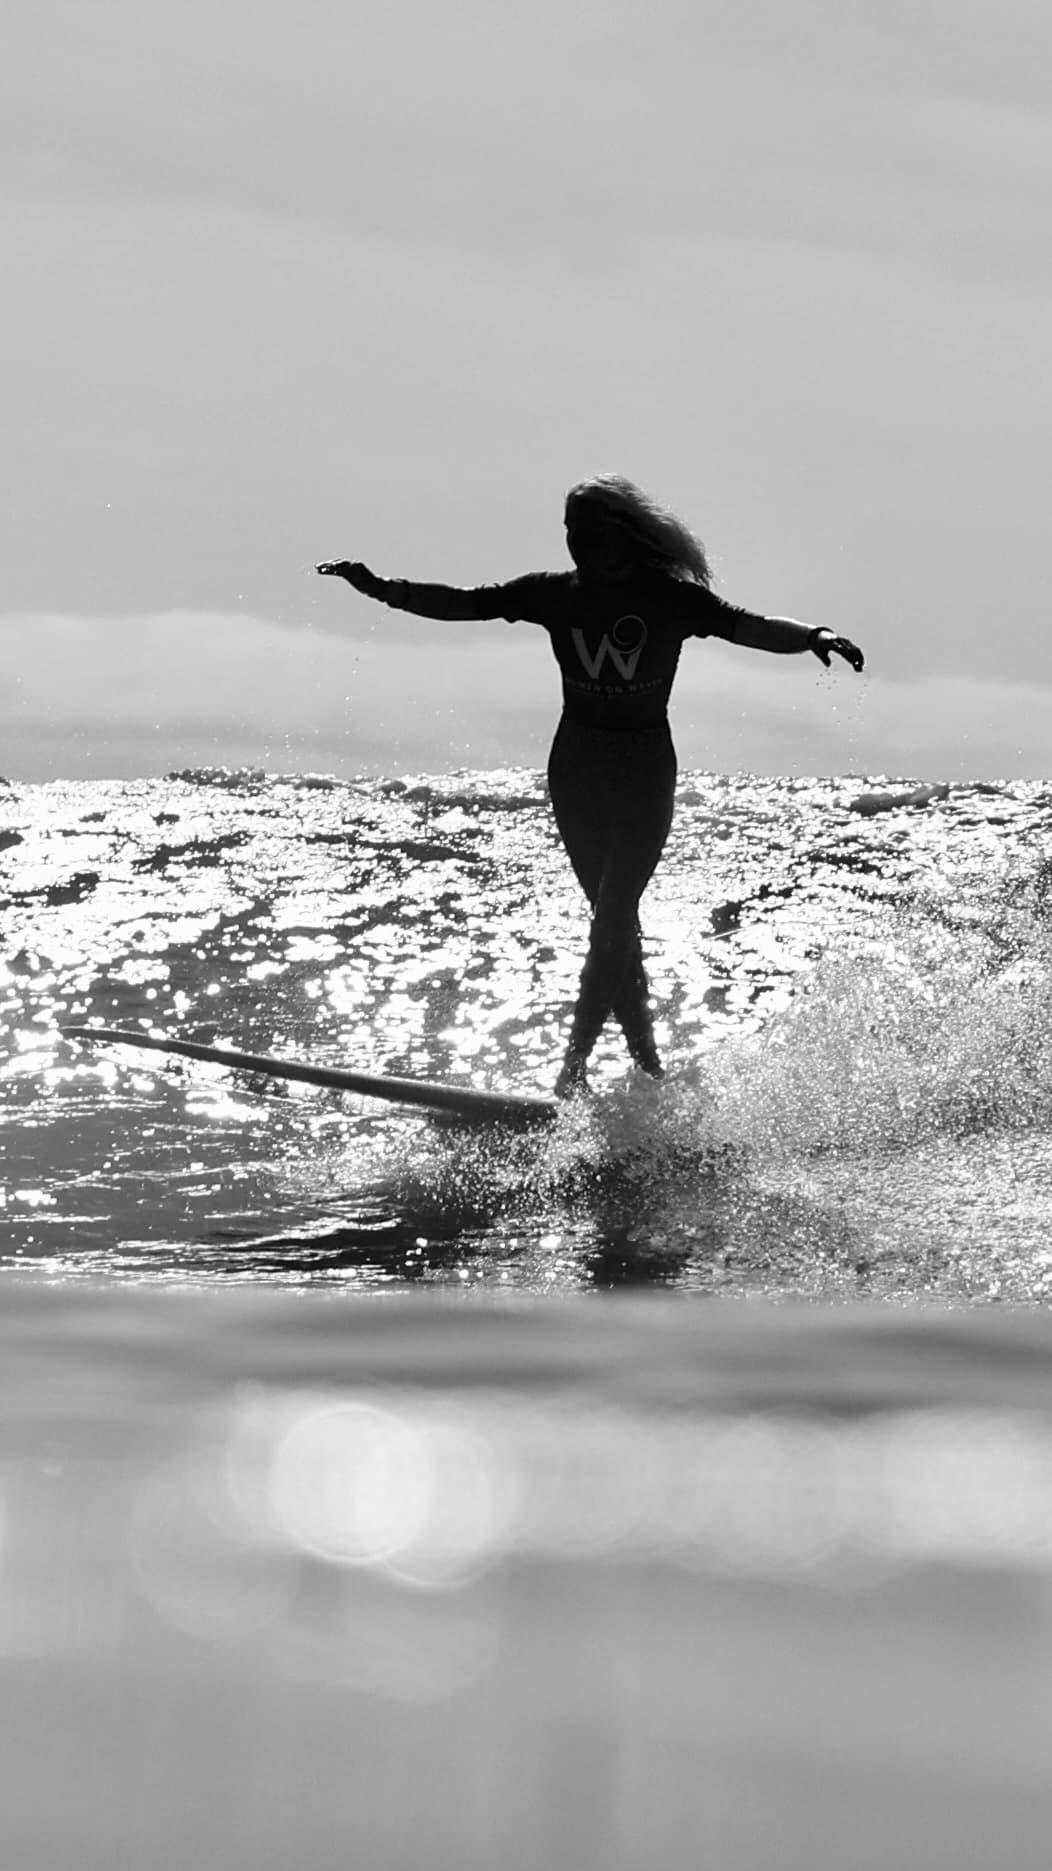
(613, 979)
(612, 794)
(631, 1010)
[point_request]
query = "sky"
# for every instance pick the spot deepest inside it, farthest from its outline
(286, 282)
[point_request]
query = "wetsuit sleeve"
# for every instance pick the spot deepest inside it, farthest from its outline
(703, 614)
(521, 599)
(706, 615)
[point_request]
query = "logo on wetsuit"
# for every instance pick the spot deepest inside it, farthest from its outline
(624, 647)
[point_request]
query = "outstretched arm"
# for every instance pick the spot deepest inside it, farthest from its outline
(786, 637)
(714, 617)
(449, 602)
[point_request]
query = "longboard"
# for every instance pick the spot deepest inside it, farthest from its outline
(482, 1107)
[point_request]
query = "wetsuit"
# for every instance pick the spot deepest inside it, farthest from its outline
(612, 767)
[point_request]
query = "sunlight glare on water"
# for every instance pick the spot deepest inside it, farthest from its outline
(434, 1495)
(853, 1004)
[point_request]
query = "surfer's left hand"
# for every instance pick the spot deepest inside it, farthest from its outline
(824, 644)
(354, 572)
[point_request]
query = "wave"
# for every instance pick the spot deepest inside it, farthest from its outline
(232, 779)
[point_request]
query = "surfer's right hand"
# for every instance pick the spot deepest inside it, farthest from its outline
(354, 572)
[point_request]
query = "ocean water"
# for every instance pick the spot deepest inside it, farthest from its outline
(673, 1487)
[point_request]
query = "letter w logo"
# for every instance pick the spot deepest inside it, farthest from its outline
(624, 647)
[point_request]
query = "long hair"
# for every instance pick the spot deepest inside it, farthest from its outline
(663, 540)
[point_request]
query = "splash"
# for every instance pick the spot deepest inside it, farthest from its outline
(941, 1030)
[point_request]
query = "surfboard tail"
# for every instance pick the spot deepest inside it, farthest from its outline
(461, 1101)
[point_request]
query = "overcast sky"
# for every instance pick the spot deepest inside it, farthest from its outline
(292, 281)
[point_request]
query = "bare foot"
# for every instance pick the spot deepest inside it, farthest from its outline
(572, 1081)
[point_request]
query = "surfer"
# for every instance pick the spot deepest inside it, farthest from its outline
(641, 585)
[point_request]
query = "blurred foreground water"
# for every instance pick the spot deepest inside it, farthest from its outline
(352, 1511)
(612, 1583)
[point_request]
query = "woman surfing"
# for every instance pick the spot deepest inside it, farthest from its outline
(641, 585)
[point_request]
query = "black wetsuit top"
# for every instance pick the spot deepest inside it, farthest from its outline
(617, 645)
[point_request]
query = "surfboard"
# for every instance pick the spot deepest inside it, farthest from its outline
(462, 1101)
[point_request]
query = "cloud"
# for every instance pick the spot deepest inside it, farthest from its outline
(89, 697)
(795, 717)
(492, 249)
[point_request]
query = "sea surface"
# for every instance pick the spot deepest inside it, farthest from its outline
(669, 1487)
